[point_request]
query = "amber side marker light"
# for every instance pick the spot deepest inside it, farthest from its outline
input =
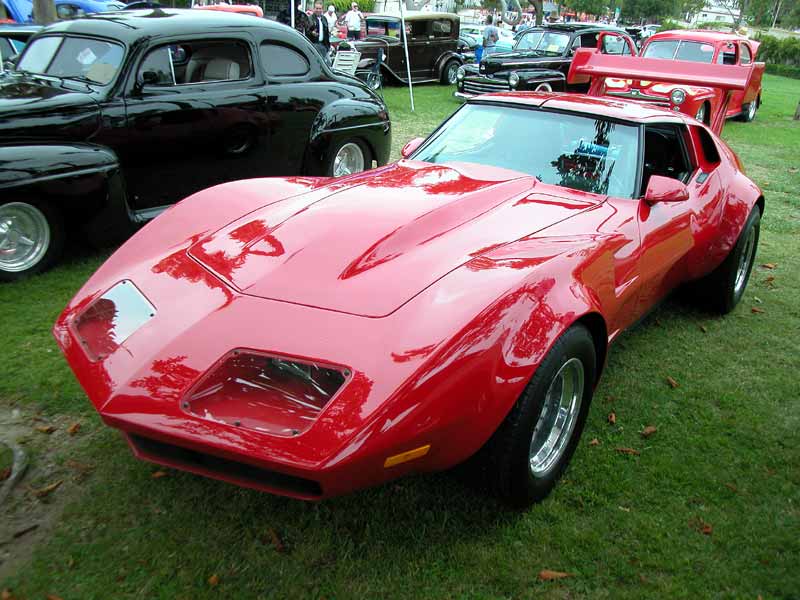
(414, 454)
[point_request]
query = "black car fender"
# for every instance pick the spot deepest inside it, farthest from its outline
(529, 79)
(83, 181)
(445, 58)
(366, 120)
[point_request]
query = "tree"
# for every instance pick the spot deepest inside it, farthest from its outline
(589, 7)
(634, 10)
(44, 11)
(538, 6)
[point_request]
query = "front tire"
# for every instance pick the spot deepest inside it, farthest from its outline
(450, 72)
(31, 238)
(349, 157)
(530, 450)
(723, 288)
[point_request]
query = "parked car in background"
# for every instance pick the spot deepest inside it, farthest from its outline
(112, 118)
(504, 44)
(467, 46)
(705, 47)
(243, 9)
(21, 11)
(540, 60)
(13, 38)
(309, 338)
(433, 47)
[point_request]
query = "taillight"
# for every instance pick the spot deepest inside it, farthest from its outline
(112, 318)
(265, 393)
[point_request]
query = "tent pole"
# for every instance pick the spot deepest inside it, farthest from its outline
(405, 48)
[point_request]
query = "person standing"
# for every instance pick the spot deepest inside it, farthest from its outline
(353, 20)
(331, 16)
(318, 33)
(490, 36)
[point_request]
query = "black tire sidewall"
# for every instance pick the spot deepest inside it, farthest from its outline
(522, 487)
(57, 238)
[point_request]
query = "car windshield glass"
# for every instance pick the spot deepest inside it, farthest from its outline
(680, 50)
(86, 59)
(580, 152)
(529, 40)
(390, 28)
(551, 43)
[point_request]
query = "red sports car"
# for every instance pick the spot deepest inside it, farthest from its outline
(312, 336)
(704, 48)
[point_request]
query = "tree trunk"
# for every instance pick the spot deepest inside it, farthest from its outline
(44, 11)
(797, 112)
(3, 14)
(538, 6)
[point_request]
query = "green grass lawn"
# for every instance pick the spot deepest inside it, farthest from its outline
(725, 457)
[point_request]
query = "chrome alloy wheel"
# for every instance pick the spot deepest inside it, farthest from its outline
(349, 159)
(24, 236)
(560, 410)
(745, 260)
(452, 73)
(751, 110)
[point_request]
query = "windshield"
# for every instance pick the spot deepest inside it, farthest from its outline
(579, 152)
(85, 59)
(546, 42)
(390, 28)
(680, 50)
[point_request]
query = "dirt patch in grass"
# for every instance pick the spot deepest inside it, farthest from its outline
(38, 480)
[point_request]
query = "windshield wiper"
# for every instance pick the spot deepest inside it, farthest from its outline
(81, 79)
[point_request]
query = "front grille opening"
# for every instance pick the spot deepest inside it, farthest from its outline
(215, 466)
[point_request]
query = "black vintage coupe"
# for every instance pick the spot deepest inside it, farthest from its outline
(540, 60)
(112, 118)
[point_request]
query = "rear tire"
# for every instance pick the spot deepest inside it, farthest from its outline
(349, 157)
(723, 288)
(450, 72)
(529, 452)
(749, 111)
(31, 238)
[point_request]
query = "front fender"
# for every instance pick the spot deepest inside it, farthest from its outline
(23, 165)
(533, 78)
(348, 118)
(444, 59)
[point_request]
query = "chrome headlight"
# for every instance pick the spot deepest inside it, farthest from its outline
(460, 74)
(677, 97)
(513, 80)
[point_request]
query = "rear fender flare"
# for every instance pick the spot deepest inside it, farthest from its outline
(444, 59)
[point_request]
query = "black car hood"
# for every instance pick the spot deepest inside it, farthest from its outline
(524, 59)
(33, 107)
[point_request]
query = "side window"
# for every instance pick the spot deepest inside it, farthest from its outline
(588, 40)
(747, 58)
(707, 147)
(727, 54)
(417, 30)
(282, 61)
(196, 62)
(442, 29)
(665, 153)
(5, 48)
(615, 44)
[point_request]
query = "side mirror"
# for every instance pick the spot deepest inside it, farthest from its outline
(146, 78)
(665, 189)
(411, 146)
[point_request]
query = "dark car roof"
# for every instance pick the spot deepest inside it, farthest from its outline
(22, 29)
(128, 26)
(582, 27)
(417, 16)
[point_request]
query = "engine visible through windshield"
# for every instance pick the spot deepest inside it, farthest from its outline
(579, 152)
(83, 59)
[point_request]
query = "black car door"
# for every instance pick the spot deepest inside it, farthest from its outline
(195, 117)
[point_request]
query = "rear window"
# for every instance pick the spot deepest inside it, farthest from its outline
(680, 50)
(281, 61)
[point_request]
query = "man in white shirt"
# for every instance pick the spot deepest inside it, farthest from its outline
(353, 20)
(331, 16)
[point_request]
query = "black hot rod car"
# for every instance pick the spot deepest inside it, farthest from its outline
(111, 118)
(540, 60)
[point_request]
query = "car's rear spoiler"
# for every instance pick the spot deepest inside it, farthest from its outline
(728, 78)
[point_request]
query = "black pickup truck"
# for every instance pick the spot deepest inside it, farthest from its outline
(540, 60)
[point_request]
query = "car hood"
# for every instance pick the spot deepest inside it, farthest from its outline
(368, 244)
(33, 107)
(525, 59)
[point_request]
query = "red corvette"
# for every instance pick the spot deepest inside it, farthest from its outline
(314, 336)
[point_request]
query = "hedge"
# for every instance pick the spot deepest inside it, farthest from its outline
(779, 52)
(784, 70)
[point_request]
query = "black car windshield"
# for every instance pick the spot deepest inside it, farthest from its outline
(581, 152)
(85, 59)
(680, 50)
(547, 42)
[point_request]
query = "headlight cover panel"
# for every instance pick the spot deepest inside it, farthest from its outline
(267, 393)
